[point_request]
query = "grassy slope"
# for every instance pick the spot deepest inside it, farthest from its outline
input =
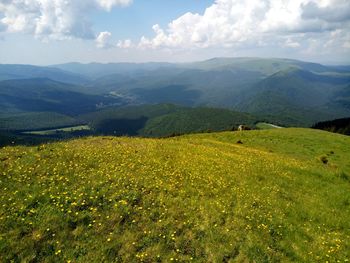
(202, 197)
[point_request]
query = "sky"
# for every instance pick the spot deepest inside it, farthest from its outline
(47, 32)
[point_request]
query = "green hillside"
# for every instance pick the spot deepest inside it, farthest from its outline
(279, 195)
(297, 97)
(339, 126)
(191, 120)
(164, 120)
(35, 121)
(159, 120)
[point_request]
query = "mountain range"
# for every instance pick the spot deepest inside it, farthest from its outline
(283, 91)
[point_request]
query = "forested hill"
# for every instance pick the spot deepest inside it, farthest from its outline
(339, 125)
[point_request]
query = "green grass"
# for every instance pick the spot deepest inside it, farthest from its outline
(199, 198)
(55, 131)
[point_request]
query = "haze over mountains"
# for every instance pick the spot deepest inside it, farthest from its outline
(283, 91)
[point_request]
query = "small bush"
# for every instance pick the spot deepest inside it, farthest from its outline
(324, 159)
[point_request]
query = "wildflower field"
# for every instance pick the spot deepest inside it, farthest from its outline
(280, 195)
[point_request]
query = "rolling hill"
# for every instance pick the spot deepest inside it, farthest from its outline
(280, 195)
(163, 120)
(160, 120)
(194, 120)
(14, 71)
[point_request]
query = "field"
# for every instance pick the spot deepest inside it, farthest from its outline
(55, 131)
(278, 195)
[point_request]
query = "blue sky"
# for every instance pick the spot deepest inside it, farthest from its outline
(47, 32)
(138, 19)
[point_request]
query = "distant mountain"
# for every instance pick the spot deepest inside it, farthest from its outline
(97, 70)
(302, 96)
(39, 95)
(339, 126)
(287, 92)
(265, 66)
(9, 72)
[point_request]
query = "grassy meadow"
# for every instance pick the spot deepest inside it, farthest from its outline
(278, 195)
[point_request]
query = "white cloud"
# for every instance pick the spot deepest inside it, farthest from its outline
(290, 43)
(125, 44)
(333, 11)
(109, 4)
(53, 19)
(103, 40)
(241, 23)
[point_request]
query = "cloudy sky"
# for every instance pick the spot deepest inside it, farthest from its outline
(56, 31)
